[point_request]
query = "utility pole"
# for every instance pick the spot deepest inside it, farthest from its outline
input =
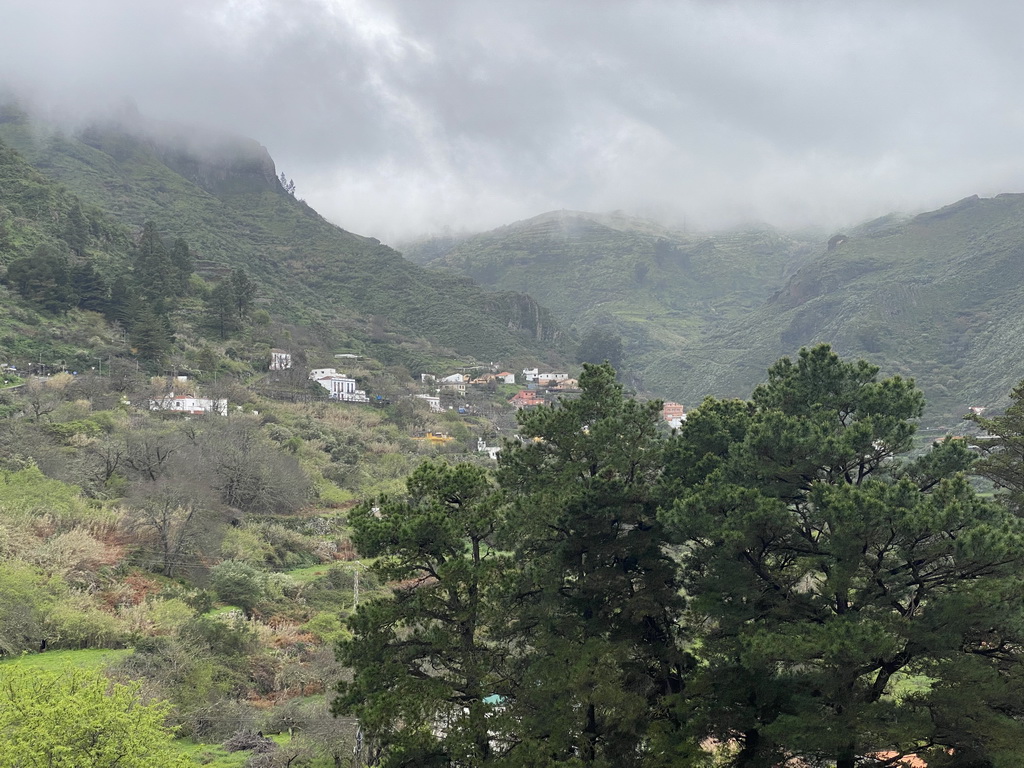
(355, 584)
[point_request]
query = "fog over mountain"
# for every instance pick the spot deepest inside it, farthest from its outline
(395, 118)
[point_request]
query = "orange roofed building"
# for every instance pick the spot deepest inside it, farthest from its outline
(674, 414)
(526, 399)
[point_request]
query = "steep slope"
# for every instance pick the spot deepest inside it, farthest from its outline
(222, 195)
(937, 297)
(659, 288)
(35, 213)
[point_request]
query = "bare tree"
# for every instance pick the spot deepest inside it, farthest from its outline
(251, 472)
(147, 451)
(43, 396)
(176, 511)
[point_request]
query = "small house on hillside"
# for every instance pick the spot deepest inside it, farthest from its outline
(674, 414)
(526, 398)
(433, 402)
(566, 385)
(547, 379)
(280, 360)
(193, 406)
(454, 383)
(339, 386)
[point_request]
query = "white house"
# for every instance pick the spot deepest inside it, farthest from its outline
(530, 374)
(194, 406)
(433, 402)
(339, 386)
(552, 376)
(455, 383)
(490, 450)
(280, 360)
(506, 377)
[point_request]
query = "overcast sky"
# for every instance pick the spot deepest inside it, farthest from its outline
(395, 118)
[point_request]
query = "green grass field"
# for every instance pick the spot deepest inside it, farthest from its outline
(90, 658)
(310, 573)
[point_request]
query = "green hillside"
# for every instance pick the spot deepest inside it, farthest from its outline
(222, 195)
(936, 297)
(660, 289)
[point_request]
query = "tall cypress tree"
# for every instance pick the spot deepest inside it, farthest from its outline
(243, 291)
(90, 288)
(76, 229)
(183, 263)
(152, 335)
(153, 273)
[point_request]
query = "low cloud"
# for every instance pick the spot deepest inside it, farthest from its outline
(397, 118)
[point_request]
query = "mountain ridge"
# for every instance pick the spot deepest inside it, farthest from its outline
(224, 197)
(931, 296)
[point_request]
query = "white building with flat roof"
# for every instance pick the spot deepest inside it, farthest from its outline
(194, 406)
(339, 386)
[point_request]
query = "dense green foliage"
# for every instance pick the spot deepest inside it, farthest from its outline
(425, 657)
(77, 719)
(1003, 447)
(825, 569)
(840, 601)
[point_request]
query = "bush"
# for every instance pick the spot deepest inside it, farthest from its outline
(42, 722)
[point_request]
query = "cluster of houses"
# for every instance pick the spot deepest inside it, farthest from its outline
(542, 387)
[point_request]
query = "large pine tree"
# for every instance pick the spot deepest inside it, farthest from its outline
(597, 603)
(829, 574)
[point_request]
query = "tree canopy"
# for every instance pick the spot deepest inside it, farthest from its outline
(78, 719)
(843, 598)
(827, 571)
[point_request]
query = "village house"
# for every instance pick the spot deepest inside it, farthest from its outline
(526, 399)
(548, 379)
(504, 378)
(674, 414)
(454, 383)
(193, 406)
(491, 450)
(566, 385)
(280, 360)
(433, 402)
(339, 386)
(529, 374)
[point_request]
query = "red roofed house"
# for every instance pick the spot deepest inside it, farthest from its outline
(674, 414)
(526, 399)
